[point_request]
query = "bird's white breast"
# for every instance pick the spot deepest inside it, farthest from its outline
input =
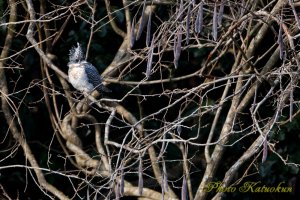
(78, 78)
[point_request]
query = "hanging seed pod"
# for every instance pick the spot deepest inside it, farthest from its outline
(148, 30)
(215, 24)
(265, 151)
(165, 177)
(280, 42)
(117, 191)
(164, 180)
(221, 12)
(295, 13)
(179, 128)
(122, 182)
(291, 105)
(142, 24)
(188, 16)
(193, 3)
(162, 148)
(177, 48)
(243, 7)
(184, 189)
(174, 47)
(180, 11)
(150, 57)
(132, 33)
(141, 182)
(162, 187)
(199, 18)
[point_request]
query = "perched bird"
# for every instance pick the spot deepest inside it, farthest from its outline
(82, 74)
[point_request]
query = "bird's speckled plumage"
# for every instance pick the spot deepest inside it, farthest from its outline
(76, 54)
(82, 74)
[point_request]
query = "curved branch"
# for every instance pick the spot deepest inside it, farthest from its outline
(74, 144)
(112, 21)
(10, 119)
(29, 36)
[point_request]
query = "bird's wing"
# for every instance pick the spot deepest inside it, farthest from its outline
(94, 77)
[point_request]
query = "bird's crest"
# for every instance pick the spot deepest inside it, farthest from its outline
(76, 54)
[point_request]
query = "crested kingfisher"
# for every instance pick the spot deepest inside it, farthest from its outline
(82, 74)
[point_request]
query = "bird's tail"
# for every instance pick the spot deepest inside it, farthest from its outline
(101, 88)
